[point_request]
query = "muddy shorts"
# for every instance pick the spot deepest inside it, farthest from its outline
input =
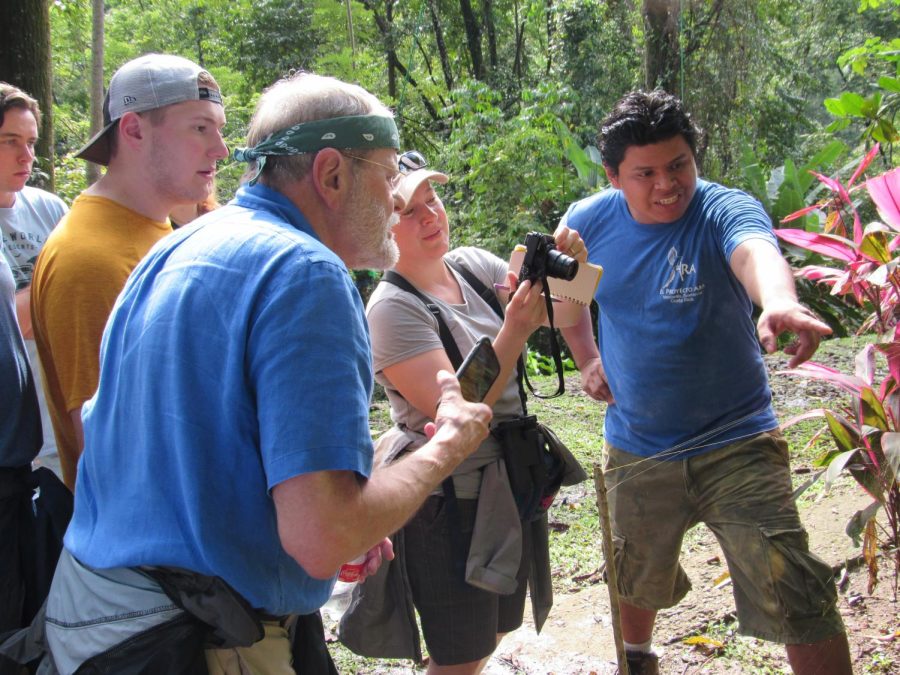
(742, 492)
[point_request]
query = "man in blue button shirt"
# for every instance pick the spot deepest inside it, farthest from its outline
(229, 434)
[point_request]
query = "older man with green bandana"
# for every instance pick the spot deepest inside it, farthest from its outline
(228, 464)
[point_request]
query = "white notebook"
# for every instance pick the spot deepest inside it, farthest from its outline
(579, 290)
(569, 297)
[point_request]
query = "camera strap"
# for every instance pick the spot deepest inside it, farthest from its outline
(554, 351)
(447, 340)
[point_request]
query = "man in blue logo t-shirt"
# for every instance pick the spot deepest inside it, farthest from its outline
(690, 431)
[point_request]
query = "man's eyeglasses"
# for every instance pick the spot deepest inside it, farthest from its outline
(394, 179)
(411, 160)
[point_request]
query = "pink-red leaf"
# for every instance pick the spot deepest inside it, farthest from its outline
(817, 371)
(857, 228)
(864, 164)
(802, 212)
(885, 192)
(891, 351)
(829, 245)
(834, 186)
(818, 273)
(808, 415)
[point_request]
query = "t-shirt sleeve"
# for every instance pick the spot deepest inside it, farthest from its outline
(401, 327)
(739, 218)
(72, 304)
(309, 365)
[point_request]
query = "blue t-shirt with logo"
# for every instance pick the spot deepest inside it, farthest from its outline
(236, 357)
(676, 335)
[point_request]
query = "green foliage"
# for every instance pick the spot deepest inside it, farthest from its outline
(278, 38)
(542, 364)
(753, 75)
(787, 188)
(507, 171)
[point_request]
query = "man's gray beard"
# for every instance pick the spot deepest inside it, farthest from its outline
(377, 250)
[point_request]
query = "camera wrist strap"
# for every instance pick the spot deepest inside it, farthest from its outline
(554, 350)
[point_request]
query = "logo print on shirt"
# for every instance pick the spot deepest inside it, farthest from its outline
(676, 289)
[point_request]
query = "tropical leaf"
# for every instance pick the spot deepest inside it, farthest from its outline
(890, 445)
(817, 371)
(857, 523)
(837, 465)
(891, 350)
(864, 164)
(808, 415)
(846, 436)
(818, 273)
(885, 192)
(874, 245)
(830, 245)
(834, 186)
(864, 363)
(799, 490)
(870, 554)
(800, 213)
(872, 412)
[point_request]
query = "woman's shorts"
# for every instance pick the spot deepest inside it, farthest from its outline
(460, 622)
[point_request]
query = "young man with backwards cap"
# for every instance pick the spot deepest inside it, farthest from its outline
(228, 442)
(160, 142)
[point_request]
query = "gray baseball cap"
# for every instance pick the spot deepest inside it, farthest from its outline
(146, 83)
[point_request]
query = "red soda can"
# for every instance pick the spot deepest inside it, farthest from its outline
(352, 571)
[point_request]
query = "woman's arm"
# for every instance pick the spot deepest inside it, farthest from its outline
(414, 378)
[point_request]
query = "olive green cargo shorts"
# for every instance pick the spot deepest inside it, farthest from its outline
(742, 492)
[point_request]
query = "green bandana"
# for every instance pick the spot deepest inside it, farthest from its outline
(355, 131)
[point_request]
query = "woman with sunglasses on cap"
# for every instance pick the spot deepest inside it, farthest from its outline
(450, 557)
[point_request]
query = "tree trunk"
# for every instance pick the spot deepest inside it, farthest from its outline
(25, 63)
(97, 53)
(491, 30)
(384, 23)
(518, 69)
(548, 20)
(441, 45)
(661, 59)
(473, 38)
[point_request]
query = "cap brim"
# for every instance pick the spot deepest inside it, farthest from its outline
(96, 150)
(413, 180)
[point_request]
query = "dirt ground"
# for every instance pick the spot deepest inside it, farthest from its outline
(578, 636)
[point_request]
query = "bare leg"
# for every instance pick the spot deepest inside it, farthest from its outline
(828, 657)
(471, 668)
(637, 623)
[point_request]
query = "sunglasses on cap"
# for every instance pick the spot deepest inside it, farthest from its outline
(411, 160)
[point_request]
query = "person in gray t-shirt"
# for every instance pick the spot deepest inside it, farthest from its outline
(27, 216)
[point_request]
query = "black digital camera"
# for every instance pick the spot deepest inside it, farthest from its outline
(542, 260)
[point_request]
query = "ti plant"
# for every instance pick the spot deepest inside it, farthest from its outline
(867, 255)
(867, 445)
(866, 431)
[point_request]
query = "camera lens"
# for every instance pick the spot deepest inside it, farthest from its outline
(561, 266)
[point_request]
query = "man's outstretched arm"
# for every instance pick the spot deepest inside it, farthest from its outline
(766, 276)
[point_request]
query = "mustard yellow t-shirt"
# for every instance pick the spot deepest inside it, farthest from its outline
(77, 278)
